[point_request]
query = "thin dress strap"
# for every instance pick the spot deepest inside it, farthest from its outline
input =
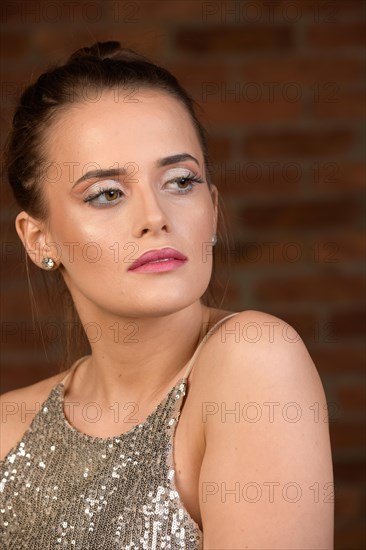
(209, 333)
(73, 368)
(190, 364)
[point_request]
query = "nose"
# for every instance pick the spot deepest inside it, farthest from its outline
(149, 215)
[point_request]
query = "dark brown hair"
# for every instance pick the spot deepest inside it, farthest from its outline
(104, 66)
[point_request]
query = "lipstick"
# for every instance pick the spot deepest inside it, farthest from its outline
(156, 261)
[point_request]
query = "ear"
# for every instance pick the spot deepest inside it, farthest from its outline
(215, 200)
(33, 234)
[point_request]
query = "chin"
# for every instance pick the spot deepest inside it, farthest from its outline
(139, 301)
(162, 303)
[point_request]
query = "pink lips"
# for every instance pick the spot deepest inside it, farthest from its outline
(155, 261)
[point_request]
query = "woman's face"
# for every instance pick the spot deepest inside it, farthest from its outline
(101, 224)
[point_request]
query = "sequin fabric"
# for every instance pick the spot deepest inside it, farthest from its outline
(61, 488)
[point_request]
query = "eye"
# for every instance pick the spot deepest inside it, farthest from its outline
(184, 184)
(104, 197)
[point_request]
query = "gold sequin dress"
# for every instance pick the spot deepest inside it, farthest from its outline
(61, 488)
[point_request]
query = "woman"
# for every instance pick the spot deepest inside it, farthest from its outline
(167, 434)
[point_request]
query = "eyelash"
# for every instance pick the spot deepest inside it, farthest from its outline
(90, 199)
(192, 178)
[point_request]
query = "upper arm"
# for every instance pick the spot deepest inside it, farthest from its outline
(266, 477)
(11, 425)
(17, 410)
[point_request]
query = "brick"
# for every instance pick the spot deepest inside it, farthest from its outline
(303, 323)
(337, 175)
(350, 501)
(194, 75)
(8, 213)
(261, 253)
(350, 471)
(234, 39)
(13, 82)
(99, 12)
(341, 106)
(17, 45)
(12, 256)
(17, 375)
(339, 249)
(315, 213)
(16, 301)
(347, 436)
(278, 11)
(155, 44)
(298, 143)
(311, 73)
(52, 14)
(49, 45)
(337, 8)
(339, 35)
(241, 112)
(13, 267)
(239, 179)
(11, 11)
(303, 288)
(219, 148)
(351, 397)
(348, 324)
(161, 11)
(350, 536)
(23, 334)
(338, 358)
(330, 10)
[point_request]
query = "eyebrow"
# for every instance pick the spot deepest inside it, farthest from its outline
(113, 172)
(173, 159)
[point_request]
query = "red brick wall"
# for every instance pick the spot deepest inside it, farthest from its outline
(282, 87)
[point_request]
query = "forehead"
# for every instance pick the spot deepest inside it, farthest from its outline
(131, 127)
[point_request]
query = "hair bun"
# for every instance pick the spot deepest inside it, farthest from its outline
(106, 50)
(99, 49)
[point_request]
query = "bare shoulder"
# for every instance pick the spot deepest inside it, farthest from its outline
(263, 410)
(19, 407)
(260, 358)
(254, 343)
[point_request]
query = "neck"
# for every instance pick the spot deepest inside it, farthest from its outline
(143, 359)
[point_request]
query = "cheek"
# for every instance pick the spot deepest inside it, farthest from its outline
(73, 239)
(81, 235)
(201, 224)
(198, 237)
